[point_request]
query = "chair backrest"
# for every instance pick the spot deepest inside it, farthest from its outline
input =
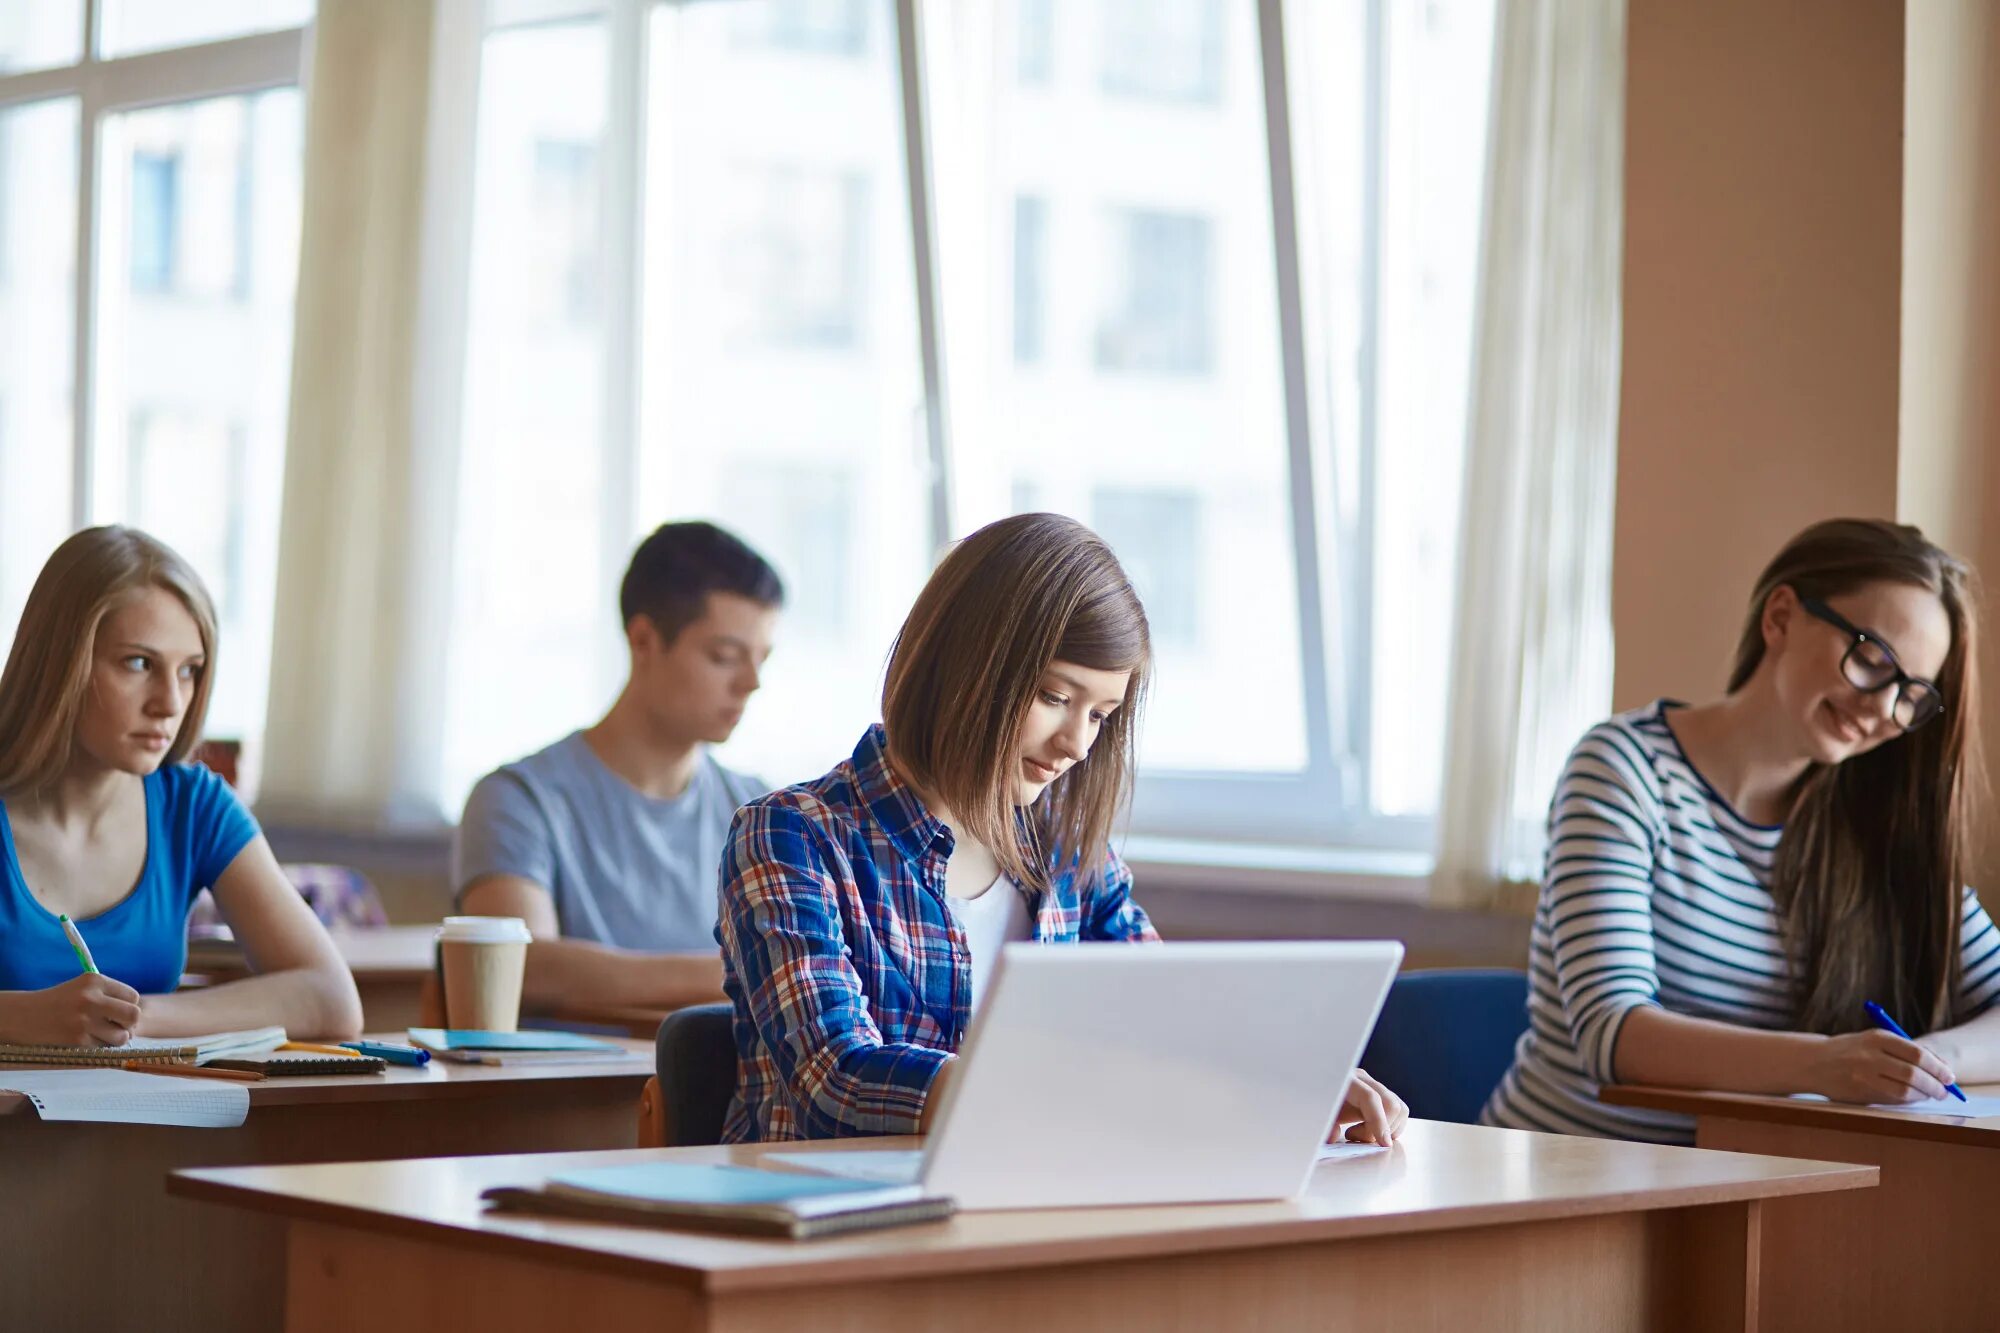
(1446, 1038)
(697, 1069)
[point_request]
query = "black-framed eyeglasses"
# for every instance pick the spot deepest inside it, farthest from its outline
(1871, 668)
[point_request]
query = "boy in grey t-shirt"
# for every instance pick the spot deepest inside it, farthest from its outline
(607, 842)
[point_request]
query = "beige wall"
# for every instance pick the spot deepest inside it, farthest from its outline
(1949, 473)
(1762, 271)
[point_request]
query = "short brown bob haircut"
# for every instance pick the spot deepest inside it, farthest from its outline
(1004, 604)
(48, 674)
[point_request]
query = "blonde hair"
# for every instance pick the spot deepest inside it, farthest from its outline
(1005, 603)
(48, 672)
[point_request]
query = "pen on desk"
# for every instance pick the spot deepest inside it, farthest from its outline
(318, 1048)
(191, 1071)
(394, 1052)
(76, 943)
(1888, 1024)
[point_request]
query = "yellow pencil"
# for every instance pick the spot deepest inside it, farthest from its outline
(192, 1071)
(320, 1050)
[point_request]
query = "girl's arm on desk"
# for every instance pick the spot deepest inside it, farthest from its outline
(300, 981)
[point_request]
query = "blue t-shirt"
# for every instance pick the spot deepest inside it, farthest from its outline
(195, 827)
(623, 868)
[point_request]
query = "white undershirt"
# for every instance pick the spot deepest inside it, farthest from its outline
(995, 917)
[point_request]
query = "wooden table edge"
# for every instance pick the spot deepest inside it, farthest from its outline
(1804, 1114)
(201, 1184)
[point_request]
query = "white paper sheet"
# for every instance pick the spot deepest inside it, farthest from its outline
(1336, 1152)
(1971, 1106)
(123, 1096)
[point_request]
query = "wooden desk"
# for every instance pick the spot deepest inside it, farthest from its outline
(1458, 1226)
(90, 1240)
(390, 966)
(1911, 1255)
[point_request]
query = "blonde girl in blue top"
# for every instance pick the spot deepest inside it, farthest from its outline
(102, 820)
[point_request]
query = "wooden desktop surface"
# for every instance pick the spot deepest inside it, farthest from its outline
(1912, 1255)
(390, 964)
(80, 1193)
(1456, 1222)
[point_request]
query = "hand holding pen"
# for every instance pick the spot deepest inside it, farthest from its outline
(1881, 1019)
(88, 1010)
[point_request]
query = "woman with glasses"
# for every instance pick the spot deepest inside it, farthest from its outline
(1728, 885)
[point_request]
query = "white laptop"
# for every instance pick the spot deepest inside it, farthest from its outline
(1139, 1074)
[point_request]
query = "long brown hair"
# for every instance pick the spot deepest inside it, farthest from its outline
(1876, 850)
(48, 671)
(1005, 603)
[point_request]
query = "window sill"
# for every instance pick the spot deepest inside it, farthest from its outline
(1376, 875)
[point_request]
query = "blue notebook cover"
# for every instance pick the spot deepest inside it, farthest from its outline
(468, 1039)
(696, 1183)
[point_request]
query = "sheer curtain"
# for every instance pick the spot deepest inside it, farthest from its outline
(1532, 662)
(352, 728)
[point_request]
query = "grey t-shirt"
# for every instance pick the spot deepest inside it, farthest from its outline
(624, 868)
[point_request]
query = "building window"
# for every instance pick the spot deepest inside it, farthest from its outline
(1031, 244)
(1157, 536)
(1170, 50)
(156, 189)
(797, 257)
(812, 27)
(1157, 299)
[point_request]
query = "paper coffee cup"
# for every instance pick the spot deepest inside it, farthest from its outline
(484, 957)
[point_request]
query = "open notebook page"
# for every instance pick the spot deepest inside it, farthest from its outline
(129, 1098)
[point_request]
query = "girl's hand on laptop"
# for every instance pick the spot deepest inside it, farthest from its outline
(1370, 1113)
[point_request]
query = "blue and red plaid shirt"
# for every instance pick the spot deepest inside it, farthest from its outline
(851, 980)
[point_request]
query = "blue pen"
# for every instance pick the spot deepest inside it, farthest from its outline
(1888, 1024)
(390, 1051)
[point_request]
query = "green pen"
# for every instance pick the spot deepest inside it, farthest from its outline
(76, 943)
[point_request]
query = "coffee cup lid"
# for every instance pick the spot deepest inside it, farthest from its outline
(485, 930)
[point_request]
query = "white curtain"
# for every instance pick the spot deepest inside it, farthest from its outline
(1531, 666)
(351, 735)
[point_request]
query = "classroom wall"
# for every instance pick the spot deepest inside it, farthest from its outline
(1763, 256)
(1948, 476)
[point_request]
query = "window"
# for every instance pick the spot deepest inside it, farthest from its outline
(156, 182)
(814, 27)
(1171, 50)
(40, 35)
(535, 592)
(1031, 244)
(800, 427)
(1260, 410)
(195, 161)
(565, 194)
(38, 164)
(1157, 535)
(794, 254)
(1156, 298)
(1034, 42)
(133, 26)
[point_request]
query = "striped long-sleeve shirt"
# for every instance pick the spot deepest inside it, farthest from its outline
(850, 975)
(1654, 891)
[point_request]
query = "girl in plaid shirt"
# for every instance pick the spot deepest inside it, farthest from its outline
(861, 912)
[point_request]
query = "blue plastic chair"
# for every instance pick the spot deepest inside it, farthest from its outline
(1446, 1038)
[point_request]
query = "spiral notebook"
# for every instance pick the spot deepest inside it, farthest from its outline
(167, 1049)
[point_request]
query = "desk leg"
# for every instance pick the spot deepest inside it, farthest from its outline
(1672, 1270)
(1912, 1252)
